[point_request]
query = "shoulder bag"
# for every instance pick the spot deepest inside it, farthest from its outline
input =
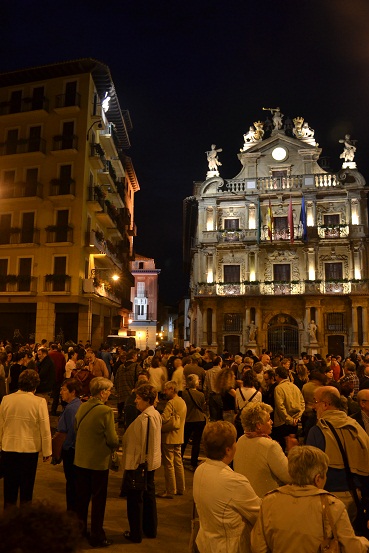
(174, 422)
(136, 479)
(328, 545)
(196, 405)
(237, 420)
(362, 517)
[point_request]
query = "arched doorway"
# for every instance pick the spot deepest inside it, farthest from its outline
(283, 335)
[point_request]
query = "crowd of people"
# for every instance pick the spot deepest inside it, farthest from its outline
(279, 434)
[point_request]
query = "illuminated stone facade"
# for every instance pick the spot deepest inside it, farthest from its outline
(278, 255)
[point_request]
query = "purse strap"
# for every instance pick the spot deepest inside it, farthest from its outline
(248, 401)
(194, 402)
(326, 511)
(89, 411)
(350, 478)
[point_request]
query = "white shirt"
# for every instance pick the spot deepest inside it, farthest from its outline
(24, 424)
(227, 506)
(263, 462)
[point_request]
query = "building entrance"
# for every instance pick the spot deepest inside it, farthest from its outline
(232, 343)
(283, 335)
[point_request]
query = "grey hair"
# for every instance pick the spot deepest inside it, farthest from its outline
(305, 462)
(171, 385)
(98, 384)
(192, 380)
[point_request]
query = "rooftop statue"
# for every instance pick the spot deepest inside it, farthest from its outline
(277, 117)
(213, 161)
(306, 131)
(297, 130)
(255, 134)
(349, 148)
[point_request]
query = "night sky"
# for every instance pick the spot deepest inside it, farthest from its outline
(198, 72)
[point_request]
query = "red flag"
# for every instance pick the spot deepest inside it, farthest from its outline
(270, 221)
(290, 221)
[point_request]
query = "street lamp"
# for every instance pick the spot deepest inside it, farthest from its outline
(95, 272)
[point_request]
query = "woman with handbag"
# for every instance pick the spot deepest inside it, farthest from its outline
(195, 418)
(96, 439)
(141, 457)
(302, 516)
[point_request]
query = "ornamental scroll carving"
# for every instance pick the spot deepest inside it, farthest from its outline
(287, 256)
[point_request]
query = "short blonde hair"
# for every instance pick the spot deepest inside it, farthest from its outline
(305, 462)
(253, 414)
(192, 380)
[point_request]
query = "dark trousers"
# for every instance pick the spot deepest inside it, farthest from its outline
(280, 433)
(92, 485)
(215, 407)
(70, 477)
(141, 511)
(19, 476)
(194, 429)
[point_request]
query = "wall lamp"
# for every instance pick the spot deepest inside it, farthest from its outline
(96, 272)
(99, 126)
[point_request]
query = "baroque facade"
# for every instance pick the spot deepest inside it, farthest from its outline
(278, 255)
(67, 202)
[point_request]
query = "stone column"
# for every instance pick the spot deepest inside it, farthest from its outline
(354, 337)
(45, 321)
(365, 326)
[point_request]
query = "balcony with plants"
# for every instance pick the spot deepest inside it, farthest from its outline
(59, 233)
(62, 187)
(18, 284)
(57, 283)
(21, 190)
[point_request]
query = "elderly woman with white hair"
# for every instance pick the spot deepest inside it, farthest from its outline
(300, 516)
(258, 457)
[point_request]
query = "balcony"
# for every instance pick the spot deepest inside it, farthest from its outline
(65, 142)
(333, 231)
(26, 104)
(101, 288)
(96, 239)
(97, 156)
(61, 187)
(70, 101)
(96, 197)
(23, 146)
(57, 283)
(21, 236)
(293, 288)
(109, 140)
(18, 284)
(289, 183)
(108, 175)
(21, 190)
(59, 233)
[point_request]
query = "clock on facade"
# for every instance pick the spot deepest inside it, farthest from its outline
(279, 153)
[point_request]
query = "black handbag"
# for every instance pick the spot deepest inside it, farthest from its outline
(136, 479)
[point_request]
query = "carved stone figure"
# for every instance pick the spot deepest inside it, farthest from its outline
(250, 135)
(312, 328)
(349, 148)
(306, 131)
(276, 116)
(259, 132)
(253, 329)
(297, 130)
(212, 157)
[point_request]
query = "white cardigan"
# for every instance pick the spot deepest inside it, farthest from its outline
(24, 424)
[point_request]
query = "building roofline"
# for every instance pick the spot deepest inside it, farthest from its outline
(102, 78)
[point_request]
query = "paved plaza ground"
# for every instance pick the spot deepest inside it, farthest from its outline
(174, 515)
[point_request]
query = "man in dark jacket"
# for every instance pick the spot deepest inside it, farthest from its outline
(46, 372)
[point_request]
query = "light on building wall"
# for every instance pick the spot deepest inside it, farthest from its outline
(252, 276)
(209, 278)
(252, 217)
(311, 273)
(357, 273)
(355, 218)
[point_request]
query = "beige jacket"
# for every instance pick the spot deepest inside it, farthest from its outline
(174, 436)
(291, 520)
(289, 403)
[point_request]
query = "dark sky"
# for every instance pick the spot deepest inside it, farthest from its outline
(198, 72)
